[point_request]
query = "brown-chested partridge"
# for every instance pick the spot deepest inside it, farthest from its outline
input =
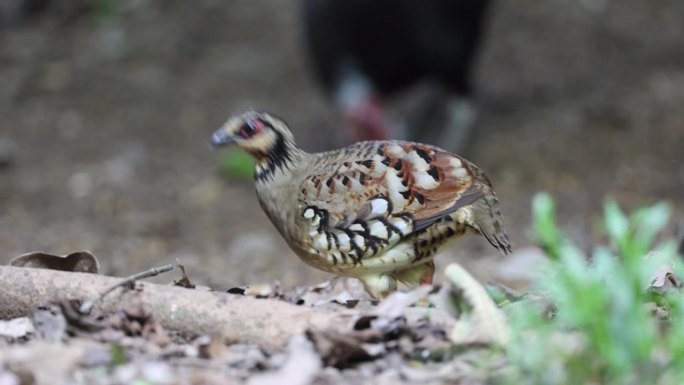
(377, 210)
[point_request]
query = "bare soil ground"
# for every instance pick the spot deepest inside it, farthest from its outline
(108, 113)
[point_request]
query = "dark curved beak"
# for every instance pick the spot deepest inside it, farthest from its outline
(221, 138)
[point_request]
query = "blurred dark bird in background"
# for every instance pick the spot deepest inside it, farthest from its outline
(364, 52)
(17, 12)
(14, 11)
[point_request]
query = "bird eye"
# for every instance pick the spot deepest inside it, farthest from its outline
(247, 130)
(251, 127)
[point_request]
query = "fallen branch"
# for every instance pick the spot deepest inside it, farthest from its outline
(236, 318)
(88, 305)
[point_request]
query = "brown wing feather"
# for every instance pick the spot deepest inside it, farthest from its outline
(457, 185)
(362, 201)
(420, 180)
(468, 197)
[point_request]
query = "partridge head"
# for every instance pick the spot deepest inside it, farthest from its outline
(376, 210)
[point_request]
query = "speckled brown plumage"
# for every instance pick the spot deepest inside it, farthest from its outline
(378, 210)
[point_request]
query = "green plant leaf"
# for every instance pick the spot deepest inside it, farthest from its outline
(544, 225)
(615, 221)
(603, 304)
(118, 354)
(648, 222)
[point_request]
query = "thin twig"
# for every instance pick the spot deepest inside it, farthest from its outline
(88, 305)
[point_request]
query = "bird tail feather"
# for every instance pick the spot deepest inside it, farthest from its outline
(487, 220)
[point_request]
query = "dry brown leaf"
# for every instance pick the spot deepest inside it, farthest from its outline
(184, 281)
(57, 319)
(79, 261)
(337, 349)
(136, 320)
(337, 291)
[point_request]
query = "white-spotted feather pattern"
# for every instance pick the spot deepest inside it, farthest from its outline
(372, 193)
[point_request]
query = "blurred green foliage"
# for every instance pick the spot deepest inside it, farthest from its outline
(118, 354)
(602, 326)
(236, 163)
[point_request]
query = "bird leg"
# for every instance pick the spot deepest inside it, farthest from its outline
(417, 275)
(428, 275)
(379, 285)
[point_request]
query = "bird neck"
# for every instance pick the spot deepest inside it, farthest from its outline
(279, 160)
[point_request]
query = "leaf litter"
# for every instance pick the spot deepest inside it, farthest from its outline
(405, 338)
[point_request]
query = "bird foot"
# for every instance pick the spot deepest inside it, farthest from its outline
(379, 286)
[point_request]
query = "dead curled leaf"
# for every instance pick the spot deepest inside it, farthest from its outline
(136, 320)
(374, 336)
(332, 293)
(337, 349)
(56, 320)
(664, 279)
(79, 261)
(184, 281)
